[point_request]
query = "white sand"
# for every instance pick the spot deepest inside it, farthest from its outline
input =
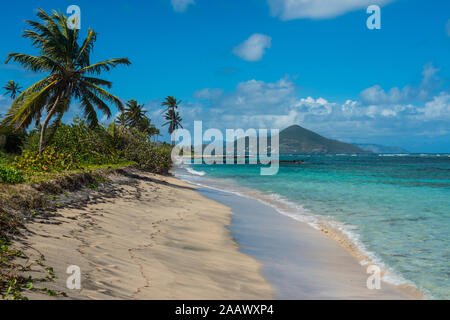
(171, 243)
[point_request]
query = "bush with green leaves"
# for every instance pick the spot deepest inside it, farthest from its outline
(136, 147)
(3, 159)
(11, 140)
(50, 160)
(85, 144)
(10, 175)
(78, 145)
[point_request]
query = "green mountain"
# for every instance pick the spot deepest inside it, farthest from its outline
(296, 139)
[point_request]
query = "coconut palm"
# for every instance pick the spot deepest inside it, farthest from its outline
(173, 120)
(70, 75)
(122, 120)
(12, 89)
(135, 114)
(145, 125)
(170, 103)
(154, 132)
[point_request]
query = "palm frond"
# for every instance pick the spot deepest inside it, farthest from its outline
(23, 113)
(97, 68)
(34, 63)
(104, 94)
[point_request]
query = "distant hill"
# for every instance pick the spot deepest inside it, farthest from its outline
(296, 139)
(377, 148)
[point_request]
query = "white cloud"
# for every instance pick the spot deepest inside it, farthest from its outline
(438, 108)
(259, 104)
(318, 106)
(377, 95)
(254, 47)
(317, 9)
(181, 5)
(208, 93)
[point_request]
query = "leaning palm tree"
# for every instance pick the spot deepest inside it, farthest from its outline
(70, 75)
(170, 103)
(173, 120)
(12, 89)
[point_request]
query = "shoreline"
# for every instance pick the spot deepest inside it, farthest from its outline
(160, 237)
(157, 239)
(333, 233)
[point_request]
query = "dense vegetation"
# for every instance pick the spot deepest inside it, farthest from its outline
(77, 146)
(53, 146)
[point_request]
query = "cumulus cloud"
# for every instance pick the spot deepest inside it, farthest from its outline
(377, 95)
(317, 9)
(253, 48)
(181, 5)
(438, 108)
(260, 104)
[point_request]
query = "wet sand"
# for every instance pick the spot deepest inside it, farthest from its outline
(299, 261)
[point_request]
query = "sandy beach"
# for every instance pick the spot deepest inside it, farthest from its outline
(161, 238)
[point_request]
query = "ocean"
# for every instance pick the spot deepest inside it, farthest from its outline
(395, 208)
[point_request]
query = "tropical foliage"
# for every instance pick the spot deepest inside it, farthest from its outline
(135, 114)
(173, 120)
(172, 116)
(53, 146)
(11, 140)
(170, 103)
(12, 89)
(71, 75)
(10, 175)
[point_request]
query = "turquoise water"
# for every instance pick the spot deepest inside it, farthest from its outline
(396, 207)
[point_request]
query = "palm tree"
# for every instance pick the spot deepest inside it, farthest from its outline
(171, 103)
(12, 89)
(71, 75)
(135, 114)
(122, 120)
(173, 120)
(154, 132)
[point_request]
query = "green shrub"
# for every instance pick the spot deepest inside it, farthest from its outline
(137, 148)
(86, 145)
(77, 145)
(11, 140)
(10, 175)
(3, 159)
(48, 161)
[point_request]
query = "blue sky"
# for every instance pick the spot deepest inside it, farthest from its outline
(272, 63)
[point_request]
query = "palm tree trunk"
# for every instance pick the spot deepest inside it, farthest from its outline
(45, 124)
